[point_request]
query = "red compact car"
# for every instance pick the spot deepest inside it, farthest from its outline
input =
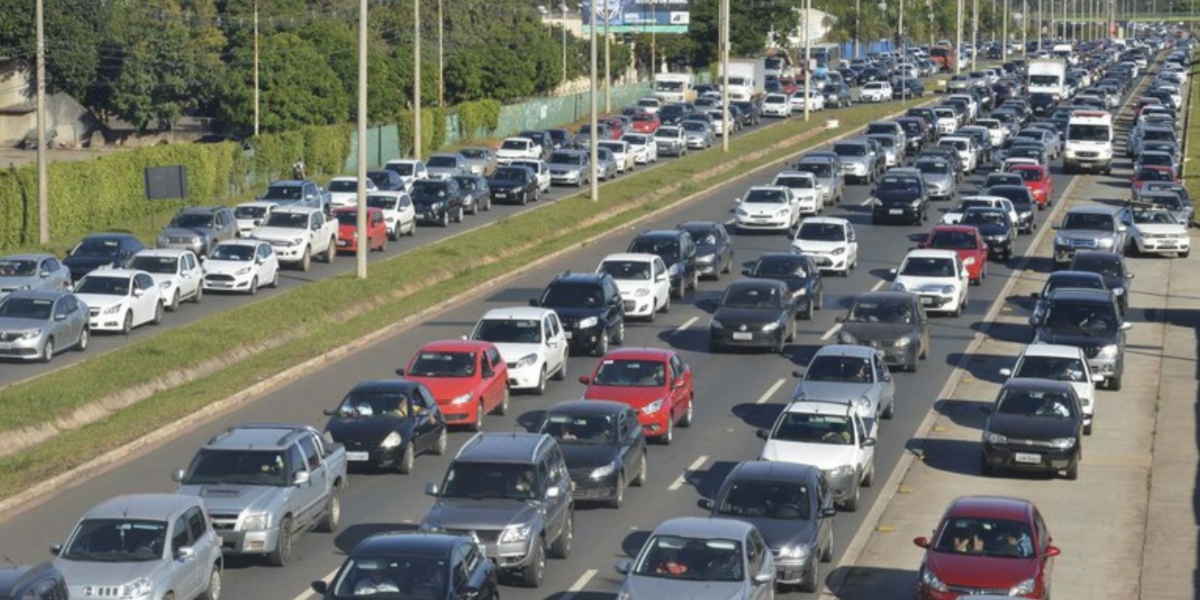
(1152, 173)
(654, 382)
(1037, 179)
(467, 378)
(645, 122)
(377, 235)
(967, 242)
(616, 126)
(987, 545)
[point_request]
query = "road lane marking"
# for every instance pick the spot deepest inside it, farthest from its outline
(579, 584)
(832, 331)
(770, 392)
(878, 284)
(686, 324)
(682, 479)
(309, 593)
(866, 202)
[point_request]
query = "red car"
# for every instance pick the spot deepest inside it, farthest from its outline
(1152, 173)
(966, 241)
(377, 234)
(1037, 179)
(616, 126)
(655, 382)
(788, 85)
(1143, 103)
(987, 545)
(645, 122)
(467, 378)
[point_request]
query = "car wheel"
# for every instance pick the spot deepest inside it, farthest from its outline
(331, 252)
(158, 313)
(48, 350)
(445, 221)
(213, 590)
(812, 580)
(644, 473)
(1113, 383)
(541, 386)
(283, 548)
(561, 548)
(85, 336)
(984, 467)
(1073, 471)
(619, 495)
(394, 234)
(668, 437)
(851, 503)
(532, 574)
(690, 414)
(502, 408)
(601, 347)
(458, 215)
(333, 512)
(174, 305)
(666, 308)
(561, 373)
(808, 312)
(406, 460)
(654, 310)
(474, 208)
(306, 259)
(439, 446)
(199, 295)
(127, 324)
(275, 279)
(827, 551)
(1087, 429)
(487, 204)
(253, 286)
(869, 479)
(677, 292)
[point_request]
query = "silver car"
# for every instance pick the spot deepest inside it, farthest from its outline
(670, 141)
(606, 164)
(940, 177)
(446, 165)
(698, 134)
(893, 148)
(34, 325)
(480, 161)
(701, 559)
(32, 272)
(857, 160)
(850, 373)
(140, 547)
(199, 229)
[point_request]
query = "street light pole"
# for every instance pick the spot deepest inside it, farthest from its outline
(256, 86)
(724, 45)
(1024, 28)
(1004, 32)
(362, 245)
(958, 45)
(563, 6)
(593, 180)
(417, 79)
(974, 32)
(441, 57)
(857, 29)
(903, 55)
(807, 60)
(43, 182)
(607, 67)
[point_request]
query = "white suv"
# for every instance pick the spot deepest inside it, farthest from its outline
(530, 340)
(938, 277)
(1061, 363)
(643, 280)
(831, 242)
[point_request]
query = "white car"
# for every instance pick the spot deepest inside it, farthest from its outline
(177, 272)
(251, 214)
(241, 266)
(830, 436)
(938, 277)
(997, 132)
(531, 340)
(642, 146)
(409, 170)
(515, 148)
(954, 215)
(1061, 363)
(643, 280)
(804, 187)
(1156, 231)
(120, 299)
(947, 120)
(767, 208)
(398, 212)
(831, 241)
(343, 191)
(776, 105)
(816, 100)
(875, 91)
(539, 167)
(965, 147)
(621, 154)
(649, 104)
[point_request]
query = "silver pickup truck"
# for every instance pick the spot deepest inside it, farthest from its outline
(265, 483)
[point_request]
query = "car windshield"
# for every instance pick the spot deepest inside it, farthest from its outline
(570, 295)
(26, 308)
(765, 196)
(667, 132)
(1158, 134)
(117, 541)
(155, 264)
(514, 145)
(442, 161)
(443, 364)
(892, 183)
(635, 139)
(836, 430)
(881, 311)
(835, 368)
(1106, 264)
(626, 270)
(1158, 159)
(1160, 217)
(881, 128)
(391, 577)
(1152, 175)
(933, 167)
(1030, 174)
(927, 267)
(477, 481)
(691, 559)
(745, 296)
(821, 232)
(887, 141)
(381, 179)
(694, 126)
(953, 239)
(615, 147)
(513, 331)
(250, 212)
(237, 467)
(382, 202)
(343, 185)
(510, 174)
(284, 192)
(784, 500)
(346, 217)
(365, 404)
(466, 182)
(474, 153)
(104, 286)
(1035, 403)
(1088, 316)
(10, 267)
(402, 169)
(426, 188)
(1087, 133)
(1016, 194)
(961, 145)
(667, 249)
(703, 234)
(985, 537)
(984, 217)
(631, 373)
(781, 266)
(288, 220)
(818, 169)
(1088, 221)
(98, 247)
(795, 182)
(579, 430)
(850, 149)
(1061, 368)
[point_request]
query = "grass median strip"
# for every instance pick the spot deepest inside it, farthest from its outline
(1191, 160)
(263, 338)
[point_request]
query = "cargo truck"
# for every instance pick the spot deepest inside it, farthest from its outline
(1048, 76)
(747, 79)
(674, 87)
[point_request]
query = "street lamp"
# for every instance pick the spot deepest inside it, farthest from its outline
(563, 8)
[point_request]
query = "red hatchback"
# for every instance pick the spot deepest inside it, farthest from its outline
(645, 122)
(987, 545)
(1037, 179)
(655, 382)
(616, 126)
(1152, 173)
(467, 378)
(377, 235)
(966, 241)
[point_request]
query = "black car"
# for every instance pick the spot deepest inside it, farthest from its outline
(944, 153)
(100, 250)
(798, 271)
(430, 566)
(437, 201)
(386, 181)
(755, 313)
(1023, 203)
(1034, 425)
(894, 323)
(837, 95)
(43, 582)
(925, 113)
(1064, 279)
(678, 250)
(477, 195)
(900, 196)
(590, 309)
(714, 248)
(916, 132)
(1110, 266)
(791, 505)
(1042, 104)
(750, 112)
(907, 87)
(392, 420)
(673, 114)
(559, 138)
(603, 444)
(514, 184)
(1087, 319)
(995, 226)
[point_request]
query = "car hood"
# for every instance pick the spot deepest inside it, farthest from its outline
(505, 184)
(853, 159)
(277, 233)
(660, 587)
(83, 573)
(832, 390)
(1151, 228)
(342, 196)
(911, 283)
(1085, 234)
(228, 499)
(1033, 428)
(16, 324)
(938, 179)
(569, 315)
(1072, 336)
(584, 456)
(817, 246)
(566, 166)
(502, 153)
(629, 287)
(445, 389)
(761, 208)
(745, 316)
(101, 301)
(199, 232)
(779, 532)
(897, 196)
(877, 332)
(512, 352)
(16, 282)
(980, 571)
(368, 430)
(441, 172)
(991, 229)
(427, 201)
(821, 456)
(491, 514)
(226, 267)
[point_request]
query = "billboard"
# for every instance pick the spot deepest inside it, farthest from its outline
(636, 16)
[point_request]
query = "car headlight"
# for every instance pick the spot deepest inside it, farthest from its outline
(783, 212)
(256, 522)
(995, 438)
(527, 360)
(842, 471)
(931, 580)
(137, 588)
(1063, 443)
(903, 341)
(741, 213)
(1061, 241)
(863, 404)
(391, 441)
(515, 533)
(602, 472)
(715, 324)
(114, 309)
(588, 323)
(297, 242)
(166, 285)
(970, 260)
(242, 271)
(653, 407)
(1025, 587)
(706, 259)
(771, 326)
(947, 289)
(797, 552)
(463, 399)
(1106, 242)
(897, 286)
(162, 240)
(642, 292)
(1109, 351)
(838, 251)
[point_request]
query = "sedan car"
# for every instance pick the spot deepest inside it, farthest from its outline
(941, 179)
(603, 445)
(1037, 178)
(480, 161)
(386, 423)
(241, 266)
(178, 272)
(467, 378)
(120, 299)
(623, 157)
(894, 324)
(40, 272)
(37, 324)
(642, 146)
(900, 196)
(1034, 425)
(798, 272)
(805, 188)
(514, 184)
(377, 233)
(1060, 363)
(756, 313)
(992, 544)
(714, 248)
(101, 249)
(198, 229)
(937, 276)
(698, 134)
(1153, 230)
(429, 566)
(654, 382)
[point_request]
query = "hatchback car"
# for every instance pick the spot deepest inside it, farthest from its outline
(654, 382)
(893, 324)
(531, 341)
(120, 299)
(938, 277)
(643, 281)
(900, 196)
(199, 229)
(831, 241)
(1111, 267)
(968, 241)
(851, 374)
(590, 309)
(798, 272)
(604, 447)
(714, 248)
(1034, 425)
(178, 272)
(101, 249)
(467, 378)
(1090, 319)
(241, 266)
(757, 313)
(377, 231)
(678, 250)
(386, 423)
(414, 565)
(1060, 363)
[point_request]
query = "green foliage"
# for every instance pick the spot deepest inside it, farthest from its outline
(477, 117)
(298, 87)
(433, 130)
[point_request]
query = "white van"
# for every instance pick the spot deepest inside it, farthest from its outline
(1089, 144)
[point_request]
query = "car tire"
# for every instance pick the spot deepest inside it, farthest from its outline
(253, 291)
(333, 512)
(477, 424)
(827, 551)
(1113, 383)
(502, 408)
(158, 313)
(199, 295)
(1072, 472)
(533, 573)
(394, 234)
(282, 553)
(851, 504)
(331, 252)
(601, 347)
(678, 292)
(85, 336)
(458, 215)
(654, 310)
(666, 307)
(869, 479)
(619, 337)
(443, 441)
(1087, 429)
(618, 497)
(445, 220)
(541, 386)
(407, 459)
(213, 590)
(275, 279)
(174, 305)
(306, 259)
(689, 416)
(561, 548)
(127, 323)
(561, 373)
(643, 475)
(813, 579)
(668, 437)
(47, 353)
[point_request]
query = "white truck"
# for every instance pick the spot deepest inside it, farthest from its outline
(1048, 76)
(673, 87)
(1089, 144)
(297, 234)
(747, 79)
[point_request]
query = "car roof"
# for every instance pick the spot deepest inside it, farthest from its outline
(931, 253)
(761, 470)
(886, 295)
(159, 507)
(1093, 209)
(260, 436)
(516, 312)
(588, 407)
(201, 209)
(454, 346)
(509, 447)
(702, 224)
(38, 294)
(1056, 350)
(262, 202)
(578, 277)
(826, 220)
(1082, 295)
(252, 242)
(1000, 507)
(166, 252)
(961, 228)
(26, 256)
(103, 272)
(630, 256)
(704, 527)
(407, 543)
(297, 209)
(1029, 383)
(845, 350)
(670, 234)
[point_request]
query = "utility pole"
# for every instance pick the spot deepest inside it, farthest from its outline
(1004, 32)
(1024, 28)
(256, 86)
(362, 244)
(43, 183)
(653, 40)
(563, 6)
(417, 79)
(592, 140)
(958, 44)
(857, 29)
(724, 33)
(1038, 29)
(607, 67)
(807, 59)
(903, 53)
(441, 57)
(974, 32)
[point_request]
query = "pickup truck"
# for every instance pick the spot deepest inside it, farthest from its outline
(299, 233)
(265, 483)
(515, 148)
(292, 192)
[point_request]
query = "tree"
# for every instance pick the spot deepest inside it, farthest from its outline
(298, 87)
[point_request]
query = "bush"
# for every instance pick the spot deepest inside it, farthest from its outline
(478, 117)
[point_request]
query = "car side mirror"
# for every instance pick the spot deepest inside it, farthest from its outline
(763, 434)
(1006, 372)
(319, 586)
(56, 549)
(533, 302)
(552, 492)
(867, 443)
(1051, 552)
(1126, 326)
(177, 475)
(827, 513)
(185, 553)
(488, 373)
(1130, 275)
(678, 383)
(300, 478)
(839, 319)
(705, 503)
(470, 593)
(60, 317)
(584, 379)
(921, 542)
(766, 576)
(139, 293)
(431, 489)
(623, 566)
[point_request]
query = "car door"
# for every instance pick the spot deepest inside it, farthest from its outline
(557, 476)
(183, 571)
(851, 244)
(428, 422)
(269, 265)
(189, 275)
(69, 321)
(204, 544)
(865, 430)
(1044, 540)
(556, 343)
(680, 380)
(141, 300)
(318, 479)
(614, 309)
(662, 281)
(885, 382)
(758, 560)
(479, 573)
(497, 384)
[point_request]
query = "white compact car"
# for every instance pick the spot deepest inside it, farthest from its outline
(1156, 231)
(875, 91)
(831, 242)
(241, 266)
(177, 272)
(642, 146)
(398, 212)
(1061, 363)
(120, 299)
(531, 340)
(621, 154)
(776, 105)
(250, 215)
(643, 280)
(343, 191)
(767, 208)
(938, 277)
(804, 187)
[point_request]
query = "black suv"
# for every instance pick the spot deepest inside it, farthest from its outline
(590, 308)
(1087, 319)
(42, 582)
(678, 251)
(437, 201)
(900, 196)
(512, 491)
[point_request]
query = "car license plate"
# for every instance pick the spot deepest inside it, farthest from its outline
(896, 211)
(6, 346)
(926, 300)
(357, 456)
(343, 243)
(1027, 458)
(568, 334)
(743, 335)
(501, 195)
